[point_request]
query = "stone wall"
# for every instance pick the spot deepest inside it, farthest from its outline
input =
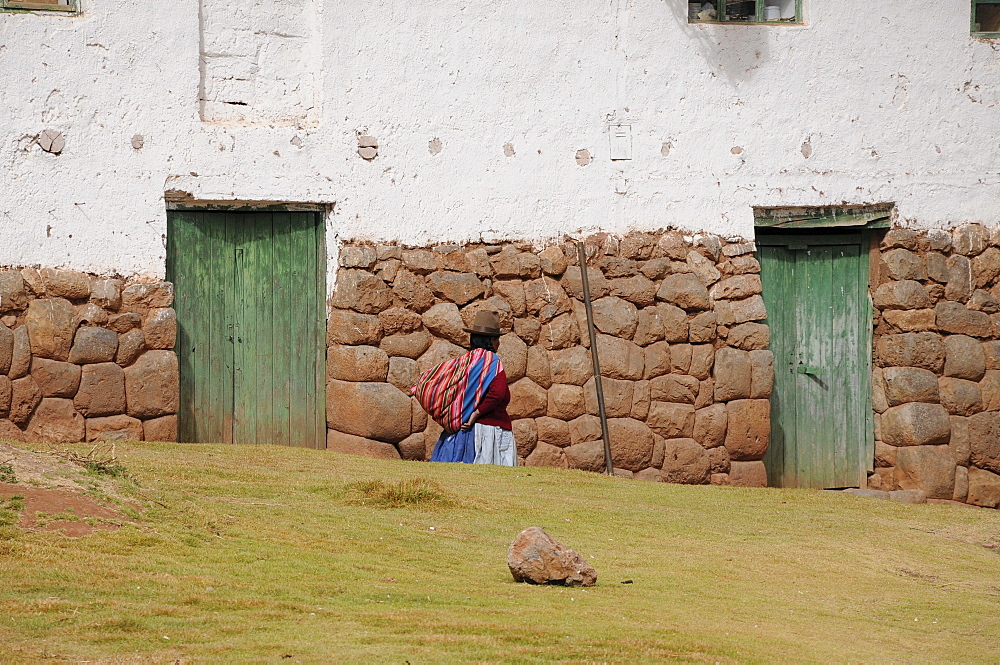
(936, 383)
(687, 374)
(86, 358)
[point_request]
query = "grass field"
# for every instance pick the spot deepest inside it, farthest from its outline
(270, 554)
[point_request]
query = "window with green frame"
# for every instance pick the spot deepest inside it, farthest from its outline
(986, 18)
(70, 6)
(746, 11)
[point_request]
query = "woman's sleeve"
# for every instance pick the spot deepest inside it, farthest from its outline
(495, 393)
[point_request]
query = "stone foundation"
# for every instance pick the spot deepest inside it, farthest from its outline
(85, 358)
(686, 370)
(936, 383)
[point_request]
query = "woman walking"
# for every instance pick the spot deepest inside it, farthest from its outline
(468, 397)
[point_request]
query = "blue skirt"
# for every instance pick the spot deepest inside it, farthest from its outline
(457, 447)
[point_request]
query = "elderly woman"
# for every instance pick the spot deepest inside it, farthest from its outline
(468, 397)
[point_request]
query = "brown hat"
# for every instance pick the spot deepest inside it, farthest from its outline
(485, 323)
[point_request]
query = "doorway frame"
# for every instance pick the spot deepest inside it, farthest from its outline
(867, 224)
(181, 202)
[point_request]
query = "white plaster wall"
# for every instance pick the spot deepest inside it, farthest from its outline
(894, 99)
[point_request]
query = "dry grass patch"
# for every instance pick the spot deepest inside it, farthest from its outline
(261, 554)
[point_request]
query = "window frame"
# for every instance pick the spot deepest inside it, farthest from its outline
(972, 20)
(720, 6)
(22, 6)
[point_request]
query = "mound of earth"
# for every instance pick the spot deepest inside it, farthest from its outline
(58, 493)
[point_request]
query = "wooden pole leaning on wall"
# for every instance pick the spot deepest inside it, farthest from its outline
(582, 253)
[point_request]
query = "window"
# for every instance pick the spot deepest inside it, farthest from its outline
(747, 11)
(986, 18)
(43, 5)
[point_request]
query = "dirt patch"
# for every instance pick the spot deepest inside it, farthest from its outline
(58, 493)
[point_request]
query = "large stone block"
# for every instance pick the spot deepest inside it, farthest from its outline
(547, 455)
(960, 397)
(741, 311)
(684, 290)
(674, 322)
(614, 316)
(25, 397)
(160, 328)
(984, 440)
(905, 320)
(572, 366)
(410, 345)
(586, 456)
(513, 354)
(989, 387)
(131, 345)
(657, 360)
(340, 442)
(638, 290)
(677, 388)
(402, 373)
(702, 361)
(114, 428)
(703, 268)
(369, 410)
(51, 324)
(20, 359)
(585, 428)
(703, 327)
(459, 288)
(761, 374)
(356, 363)
(620, 358)
(361, 291)
(6, 395)
(539, 367)
(445, 321)
(97, 345)
(438, 352)
(640, 400)
(671, 421)
(923, 350)
(412, 289)
(560, 333)
(163, 428)
(986, 267)
(618, 397)
(13, 293)
(102, 391)
(915, 424)
(710, 424)
(748, 428)
(970, 239)
(747, 474)
(357, 256)
(631, 443)
(106, 293)
(6, 348)
(953, 317)
(347, 327)
(958, 278)
(736, 288)
(906, 295)
(927, 468)
(65, 283)
(56, 421)
(680, 358)
(984, 488)
(749, 336)
(398, 320)
(573, 283)
(959, 443)
(965, 357)
(124, 322)
(553, 431)
(566, 402)
(905, 265)
(152, 385)
(56, 378)
(910, 384)
(733, 374)
(879, 400)
(685, 461)
(141, 297)
(527, 399)
(552, 260)
(545, 299)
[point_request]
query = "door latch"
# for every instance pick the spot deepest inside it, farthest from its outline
(806, 369)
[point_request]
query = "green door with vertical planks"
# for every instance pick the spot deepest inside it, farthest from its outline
(816, 292)
(250, 292)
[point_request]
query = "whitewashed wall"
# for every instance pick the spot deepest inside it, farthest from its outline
(890, 101)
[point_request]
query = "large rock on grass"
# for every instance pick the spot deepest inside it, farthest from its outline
(535, 557)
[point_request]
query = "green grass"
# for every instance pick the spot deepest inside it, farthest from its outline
(269, 554)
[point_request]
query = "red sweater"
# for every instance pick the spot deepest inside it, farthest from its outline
(493, 406)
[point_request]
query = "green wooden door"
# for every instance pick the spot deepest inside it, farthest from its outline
(816, 293)
(250, 312)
